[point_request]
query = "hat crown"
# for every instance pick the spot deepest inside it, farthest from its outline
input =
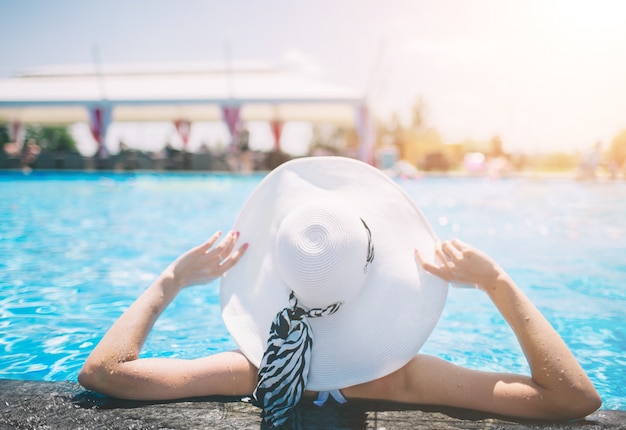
(321, 253)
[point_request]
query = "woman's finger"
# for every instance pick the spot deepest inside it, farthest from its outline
(227, 245)
(451, 251)
(206, 246)
(440, 271)
(459, 245)
(419, 258)
(426, 265)
(443, 257)
(234, 257)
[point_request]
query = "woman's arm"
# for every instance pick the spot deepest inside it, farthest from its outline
(114, 367)
(558, 387)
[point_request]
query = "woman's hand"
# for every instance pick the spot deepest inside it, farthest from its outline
(462, 263)
(204, 263)
(558, 387)
(114, 366)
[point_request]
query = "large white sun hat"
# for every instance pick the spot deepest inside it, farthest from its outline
(339, 233)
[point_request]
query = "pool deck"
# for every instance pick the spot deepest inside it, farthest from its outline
(66, 405)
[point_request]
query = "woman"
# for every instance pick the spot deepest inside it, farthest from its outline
(378, 238)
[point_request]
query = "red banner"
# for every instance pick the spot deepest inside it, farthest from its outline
(277, 130)
(232, 117)
(183, 127)
(99, 120)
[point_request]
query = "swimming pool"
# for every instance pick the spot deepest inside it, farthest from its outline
(77, 248)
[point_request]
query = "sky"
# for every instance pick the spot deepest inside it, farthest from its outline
(544, 75)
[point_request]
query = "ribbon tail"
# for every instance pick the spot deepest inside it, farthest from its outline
(322, 397)
(339, 398)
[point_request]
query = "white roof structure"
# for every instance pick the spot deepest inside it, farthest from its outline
(194, 92)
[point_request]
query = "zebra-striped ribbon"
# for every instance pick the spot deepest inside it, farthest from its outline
(285, 366)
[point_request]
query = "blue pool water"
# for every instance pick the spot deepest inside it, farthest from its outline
(77, 248)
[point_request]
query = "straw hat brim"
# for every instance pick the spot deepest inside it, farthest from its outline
(400, 304)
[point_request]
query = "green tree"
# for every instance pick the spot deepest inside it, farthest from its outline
(52, 138)
(4, 135)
